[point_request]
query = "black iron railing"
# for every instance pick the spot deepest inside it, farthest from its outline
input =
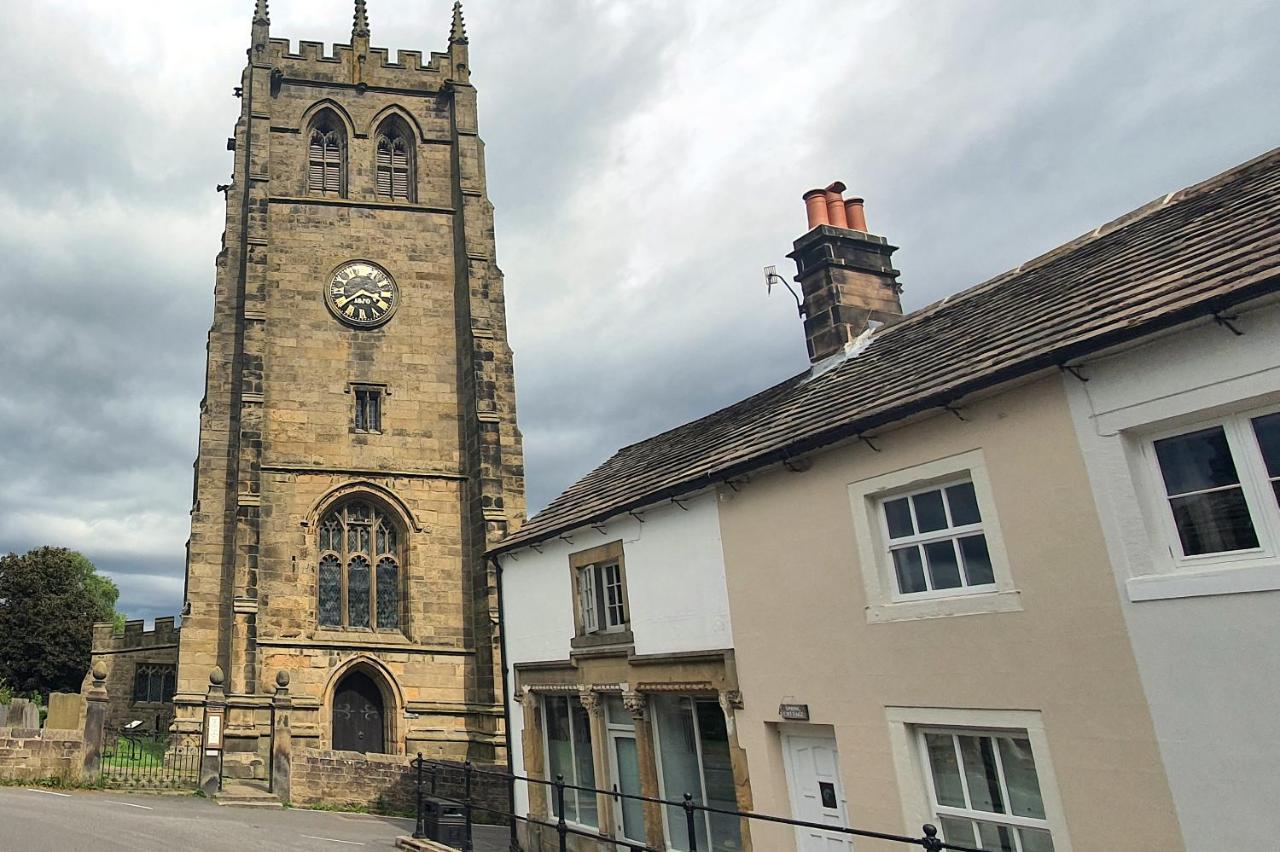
(428, 775)
(133, 758)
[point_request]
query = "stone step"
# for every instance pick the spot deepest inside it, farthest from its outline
(243, 794)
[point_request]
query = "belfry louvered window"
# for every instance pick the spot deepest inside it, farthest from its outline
(326, 158)
(395, 164)
(354, 538)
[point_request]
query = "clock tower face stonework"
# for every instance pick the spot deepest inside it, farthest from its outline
(358, 440)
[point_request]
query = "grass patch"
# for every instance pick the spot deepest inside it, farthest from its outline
(126, 754)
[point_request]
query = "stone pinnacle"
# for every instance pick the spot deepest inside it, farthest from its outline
(458, 32)
(360, 27)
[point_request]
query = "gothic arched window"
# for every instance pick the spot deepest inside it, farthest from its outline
(354, 538)
(327, 156)
(395, 161)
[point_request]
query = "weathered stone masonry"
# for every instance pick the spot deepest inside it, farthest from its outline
(277, 446)
(388, 783)
(120, 654)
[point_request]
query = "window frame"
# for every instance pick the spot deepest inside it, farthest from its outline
(599, 618)
(949, 533)
(156, 673)
(872, 552)
(973, 814)
(326, 123)
(391, 131)
(568, 698)
(374, 557)
(599, 628)
(914, 772)
(1255, 484)
(663, 792)
(381, 392)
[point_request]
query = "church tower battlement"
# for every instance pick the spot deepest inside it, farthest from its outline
(358, 439)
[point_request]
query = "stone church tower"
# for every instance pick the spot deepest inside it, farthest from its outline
(358, 439)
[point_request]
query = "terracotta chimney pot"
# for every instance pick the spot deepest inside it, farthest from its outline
(835, 205)
(855, 215)
(815, 206)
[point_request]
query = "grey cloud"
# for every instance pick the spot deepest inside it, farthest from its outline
(646, 160)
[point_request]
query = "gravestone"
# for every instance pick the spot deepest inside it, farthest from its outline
(24, 714)
(64, 711)
(4, 715)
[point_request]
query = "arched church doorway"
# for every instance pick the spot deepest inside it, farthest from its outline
(359, 718)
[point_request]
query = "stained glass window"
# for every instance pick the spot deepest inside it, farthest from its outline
(386, 537)
(358, 592)
(388, 593)
(354, 537)
(331, 534)
(330, 591)
(154, 683)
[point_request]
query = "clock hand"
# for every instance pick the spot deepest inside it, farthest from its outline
(341, 301)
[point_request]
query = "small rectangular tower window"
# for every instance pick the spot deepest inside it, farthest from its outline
(368, 408)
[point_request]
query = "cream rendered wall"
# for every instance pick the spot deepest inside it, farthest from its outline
(802, 633)
(675, 586)
(1206, 642)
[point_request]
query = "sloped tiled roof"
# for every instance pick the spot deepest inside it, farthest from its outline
(1194, 252)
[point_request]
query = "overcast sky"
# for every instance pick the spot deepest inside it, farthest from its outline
(646, 159)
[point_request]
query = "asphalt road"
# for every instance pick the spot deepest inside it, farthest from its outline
(105, 821)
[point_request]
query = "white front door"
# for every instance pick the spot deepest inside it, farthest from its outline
(813, 777)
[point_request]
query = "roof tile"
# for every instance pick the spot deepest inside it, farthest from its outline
(1193, 251)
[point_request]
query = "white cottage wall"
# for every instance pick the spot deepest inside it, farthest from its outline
(675, 586)
(1205, 641)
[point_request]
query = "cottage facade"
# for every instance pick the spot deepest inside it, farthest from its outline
(950, 600)
(1181, 440)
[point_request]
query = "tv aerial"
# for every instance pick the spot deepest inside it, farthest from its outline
(772, 277)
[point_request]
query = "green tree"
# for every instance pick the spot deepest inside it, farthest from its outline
(50, 598)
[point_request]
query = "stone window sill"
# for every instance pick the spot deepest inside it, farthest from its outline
(987, 602)
(597, 640)
(1255, 576)
(360, 634)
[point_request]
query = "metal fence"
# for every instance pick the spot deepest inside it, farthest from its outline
(428, 772)
(133, 758)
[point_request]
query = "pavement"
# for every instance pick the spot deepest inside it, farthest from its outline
(35, 820)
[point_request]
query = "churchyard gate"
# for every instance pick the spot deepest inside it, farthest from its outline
(133, 757)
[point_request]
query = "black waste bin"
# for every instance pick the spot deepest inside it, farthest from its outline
(444, 822)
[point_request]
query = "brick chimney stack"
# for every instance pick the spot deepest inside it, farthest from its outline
(845, 273)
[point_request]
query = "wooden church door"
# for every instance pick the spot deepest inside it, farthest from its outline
(358, 723)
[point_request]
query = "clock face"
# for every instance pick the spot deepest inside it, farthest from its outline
(362, 294)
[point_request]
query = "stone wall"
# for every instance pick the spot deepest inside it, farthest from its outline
(278, 445)
(29, 754)
(386, 782)
(121, 653)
